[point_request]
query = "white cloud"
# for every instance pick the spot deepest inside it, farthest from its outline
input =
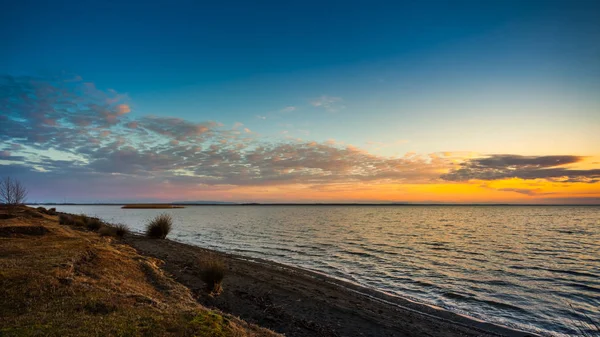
(329, 103)
(288, 109)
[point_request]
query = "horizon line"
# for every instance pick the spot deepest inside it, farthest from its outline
(225, 203)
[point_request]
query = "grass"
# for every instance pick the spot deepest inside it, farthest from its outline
(117, 231)
(159, 227)
(65, 219)
(79, 222)
(68, 282)
(121, 230)
(94, 224)
(212, 273)
(107, 231)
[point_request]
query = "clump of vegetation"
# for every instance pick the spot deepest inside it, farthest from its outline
(51, 211)
(84, 218)
(94, 224)
(118, 230)
(41, 209)
(212, 273)
(107, 231)
(159, 227)
(34, 214)
(121, 230)
(79, 222)
(208, 324)
(65, 219)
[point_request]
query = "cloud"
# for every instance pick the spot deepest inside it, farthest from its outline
(168, 147)
(175, 128)
(123, 109)
(91, 138)
(288, 109)
(497, 167)
(524, 191)
(329, 103)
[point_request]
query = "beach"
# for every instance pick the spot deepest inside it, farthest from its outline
(298, 302)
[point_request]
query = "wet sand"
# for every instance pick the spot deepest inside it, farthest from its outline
(298, 302)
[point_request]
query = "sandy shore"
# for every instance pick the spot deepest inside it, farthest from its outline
(298, 302)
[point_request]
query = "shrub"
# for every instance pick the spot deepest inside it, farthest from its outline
(79, 222)
(107, 231)
(212, 273)
(159, 227)
(84, 218)
(51, 211)
(121, 230)
(41, 209)
(65, 219)
(94, 224)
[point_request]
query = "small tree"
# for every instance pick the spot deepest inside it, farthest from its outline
(12, 192)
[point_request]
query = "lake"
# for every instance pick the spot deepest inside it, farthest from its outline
(519, 266)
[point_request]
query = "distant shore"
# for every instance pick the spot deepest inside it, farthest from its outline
(151, 206)
(186, 204)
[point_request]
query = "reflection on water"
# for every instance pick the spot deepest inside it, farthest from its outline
(518, 266)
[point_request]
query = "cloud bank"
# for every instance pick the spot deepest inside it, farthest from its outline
(496, 167)
(69, 132)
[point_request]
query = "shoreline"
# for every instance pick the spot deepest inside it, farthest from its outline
(403, 303)
(289, 278)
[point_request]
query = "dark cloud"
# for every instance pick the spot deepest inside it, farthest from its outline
(497, 167)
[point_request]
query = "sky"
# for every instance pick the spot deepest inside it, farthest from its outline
(312, 101)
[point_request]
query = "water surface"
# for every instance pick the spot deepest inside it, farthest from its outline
(520, 266)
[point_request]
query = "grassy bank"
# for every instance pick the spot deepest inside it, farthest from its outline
(58, 280)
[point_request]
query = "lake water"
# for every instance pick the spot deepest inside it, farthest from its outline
(520, 266)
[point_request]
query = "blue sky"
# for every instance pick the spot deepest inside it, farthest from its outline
(489, 77)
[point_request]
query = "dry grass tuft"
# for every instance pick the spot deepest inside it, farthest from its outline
(78, 222)
(65, 219)
(159, 227)
(107, 231)
(212, 273)
(94, 224)
(121, 230)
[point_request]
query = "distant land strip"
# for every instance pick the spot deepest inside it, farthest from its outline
(153, 206)
(185, 204)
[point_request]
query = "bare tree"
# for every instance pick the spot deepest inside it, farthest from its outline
(12, 192)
